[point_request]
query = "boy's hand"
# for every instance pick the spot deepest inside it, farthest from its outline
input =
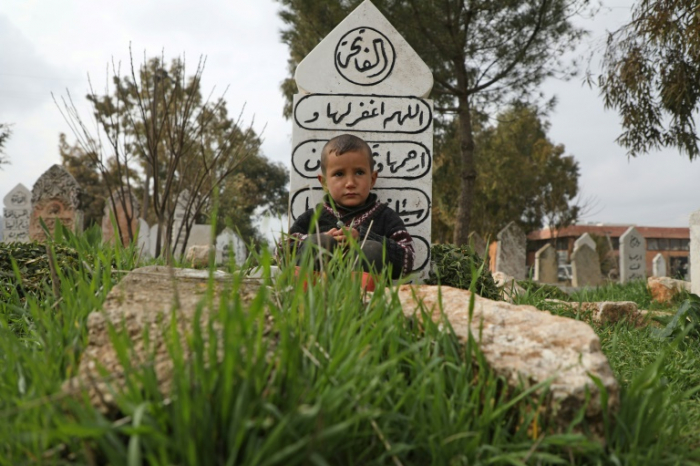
(339, 234)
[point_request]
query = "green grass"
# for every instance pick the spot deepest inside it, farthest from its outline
(334, 380)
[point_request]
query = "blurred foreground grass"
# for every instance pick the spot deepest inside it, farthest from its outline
(341, 380)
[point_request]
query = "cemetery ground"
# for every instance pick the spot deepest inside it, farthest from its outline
(310, 371)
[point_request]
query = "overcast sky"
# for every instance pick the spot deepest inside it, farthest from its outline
(48, 46)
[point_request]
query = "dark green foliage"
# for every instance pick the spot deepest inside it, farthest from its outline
(651, 72)
(32, 264)
(686, 320)
(457, 265)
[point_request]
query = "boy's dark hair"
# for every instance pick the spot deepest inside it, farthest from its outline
(342, 144)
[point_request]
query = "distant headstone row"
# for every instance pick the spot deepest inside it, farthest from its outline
(56, 197)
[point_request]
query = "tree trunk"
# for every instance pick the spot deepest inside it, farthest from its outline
(468, 173)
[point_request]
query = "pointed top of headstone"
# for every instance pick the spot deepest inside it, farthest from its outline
(695, 218)
(585, 239)
(364, 54)
(19, 196)
(658, 266)
(57, 182)
(511, 228)
(631, 231)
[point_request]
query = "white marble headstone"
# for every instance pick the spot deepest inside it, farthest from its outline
(511, 252)
(585, 239)
(365, 79)
(546, 265)
(658, 266)
(16, 214)
(153, 238)
(144, 240)
(695, 252)
(228, 244)
(633, 250)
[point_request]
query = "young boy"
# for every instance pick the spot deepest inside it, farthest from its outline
(348, 209)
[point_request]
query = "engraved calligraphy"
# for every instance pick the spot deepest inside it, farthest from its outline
(406, 160)
(364, 56)
(371, 114)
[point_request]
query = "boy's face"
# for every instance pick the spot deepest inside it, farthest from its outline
(348, 178)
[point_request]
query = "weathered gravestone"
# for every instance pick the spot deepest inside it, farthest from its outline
(179, 220)
(546, 265)
(511, 252)
(125, 210)
(16, 214)
(633, 250)
(365, 79)
(228, 245)
(144, 238)
(152, 239)
(585, 239)
(658, 266)
(695, 252)
(585, 267)
(55, 197)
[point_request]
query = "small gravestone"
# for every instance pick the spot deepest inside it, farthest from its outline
(16, 215)
(511, 252)
(658, 266)
(478, 244)
(55, 197)
(365, 79)
(585, 239)
(126, 216)
(153, 238)
(179, 220)
(546, 265)
(585, 267)
(228, 245)
(143, 238)
(633, 250)
(695, 252)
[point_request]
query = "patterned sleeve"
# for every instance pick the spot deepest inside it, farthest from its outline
(297, 233)
(399, 244)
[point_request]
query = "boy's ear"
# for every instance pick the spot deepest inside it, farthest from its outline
(374, 178)
(322, 180)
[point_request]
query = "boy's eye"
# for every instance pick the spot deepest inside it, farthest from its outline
(360, 172)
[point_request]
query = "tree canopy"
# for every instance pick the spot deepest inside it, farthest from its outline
(481, 54)
(157, 136)
(651, 76)
(523, 176)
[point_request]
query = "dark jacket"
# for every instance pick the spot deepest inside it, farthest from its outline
(386, 227)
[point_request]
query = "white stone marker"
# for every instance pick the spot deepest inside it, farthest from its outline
(511, 252)
(144, 238)
(229, 243)
(658, 266)
(365, 79)
(546, 265)
(585, 239)
(153, 238)
(16, 214)
(633, 251)
(695, 252)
